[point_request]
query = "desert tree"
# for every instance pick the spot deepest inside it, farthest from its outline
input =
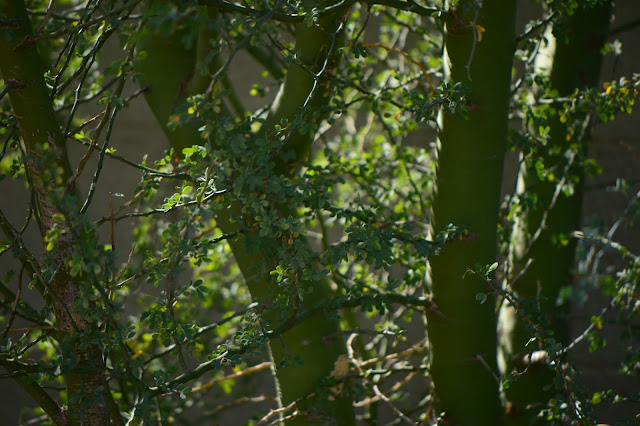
(292, 237)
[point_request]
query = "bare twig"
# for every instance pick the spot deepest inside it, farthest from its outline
(418, 348)
(392, 389)
(474, 29)
(240, 401)
(278, 411)
(376, 390)
(245, 372)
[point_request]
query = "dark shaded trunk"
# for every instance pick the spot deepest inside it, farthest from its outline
(469, 172)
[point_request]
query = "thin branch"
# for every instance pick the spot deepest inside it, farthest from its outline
(14, 307)
(416, 349)
(193, 203)
(206, 329)
(80, 26)
(625, 27)
(376, 390)
(241, 373)
(152, 172)
(240, 401)
(342, 6)
(392, 389)
(540, 25)
(24, 309)
(474, 28)
(273, 413)
(108, 118)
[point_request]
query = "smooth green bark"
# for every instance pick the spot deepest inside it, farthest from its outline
(576, 64)
(317, 340)
(462, 335)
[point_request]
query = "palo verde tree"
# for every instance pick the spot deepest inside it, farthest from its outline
(309, 236)
(317, 354)
(542, 250)
(470, 155)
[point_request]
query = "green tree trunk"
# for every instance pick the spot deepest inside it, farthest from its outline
(22, 70)
(462, 335)
(576, 64)
(317, 340)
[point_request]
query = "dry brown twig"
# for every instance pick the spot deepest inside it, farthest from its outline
(376, 390)
(245, 372)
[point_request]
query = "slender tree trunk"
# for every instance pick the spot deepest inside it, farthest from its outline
(576, 64)
(317, 340)
(49, 169)
(462, 335)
